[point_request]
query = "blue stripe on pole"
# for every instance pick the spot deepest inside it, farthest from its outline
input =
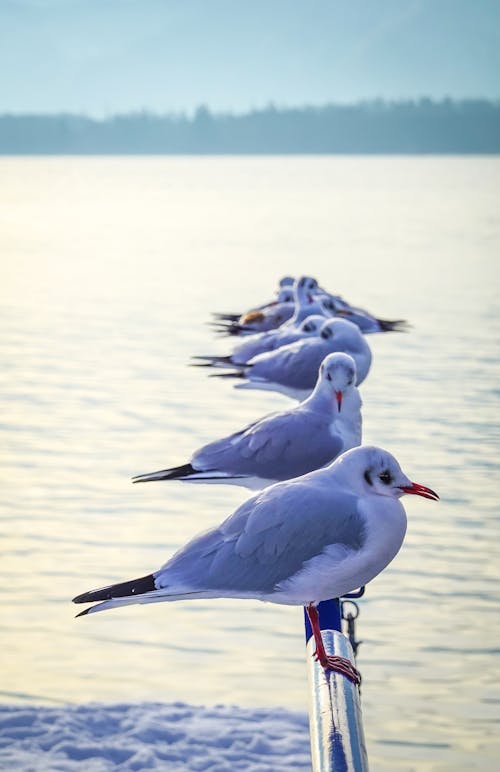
(329, 617)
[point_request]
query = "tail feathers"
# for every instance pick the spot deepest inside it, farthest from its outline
(129, 600)
(226, 317)
(167, 594)
(187, 473)
(174, 473)
(232, 328)
(397, 325)
(213, 361)
(114, 604)
(133, 587)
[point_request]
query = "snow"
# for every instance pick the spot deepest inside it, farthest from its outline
(152, 736)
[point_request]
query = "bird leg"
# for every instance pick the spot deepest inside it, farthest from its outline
(330, 661)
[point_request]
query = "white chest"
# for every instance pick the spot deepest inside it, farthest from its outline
(338, 570)
(348, 429)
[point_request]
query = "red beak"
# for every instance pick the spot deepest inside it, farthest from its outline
(338, 397)
(420, 490)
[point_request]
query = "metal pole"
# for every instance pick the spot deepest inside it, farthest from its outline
(336, 728)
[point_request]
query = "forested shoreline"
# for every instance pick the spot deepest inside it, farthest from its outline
(406, 127)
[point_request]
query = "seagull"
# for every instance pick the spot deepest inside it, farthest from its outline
(367, 323)
(323, 302)
(261, 342)
(268, 317)
(304, 291)
(304, 304)
(292, 369)
(286, 444)
(297, 542)
(285, 285)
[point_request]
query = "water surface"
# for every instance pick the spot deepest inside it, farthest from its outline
(111, 268)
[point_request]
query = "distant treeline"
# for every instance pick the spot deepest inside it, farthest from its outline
(423, 126)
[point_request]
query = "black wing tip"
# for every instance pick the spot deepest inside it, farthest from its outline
(238, 374)
(84, 597)
(232, 328)
(121, 590)
(213, 361)
(396, 325)
(175, 473)
(226, 317)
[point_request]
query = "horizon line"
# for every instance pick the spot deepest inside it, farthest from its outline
(270, 106)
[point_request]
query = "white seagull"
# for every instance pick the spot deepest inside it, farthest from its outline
(304, 304)
(269, 317)
(285, 283)
(296, 543)
(366, 322)
(304, 291)
(292, 369)
(252, 345)
(287, 444)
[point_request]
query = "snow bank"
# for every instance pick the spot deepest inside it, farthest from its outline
(153, 736)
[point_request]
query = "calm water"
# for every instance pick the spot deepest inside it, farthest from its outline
(110, 270)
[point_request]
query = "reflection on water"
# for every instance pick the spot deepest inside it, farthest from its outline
(111, 269)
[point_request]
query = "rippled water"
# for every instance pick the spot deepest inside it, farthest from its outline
(110, 270)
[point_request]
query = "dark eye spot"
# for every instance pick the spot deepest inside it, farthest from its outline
(368, 477)
(326, 334)
(385, 477)
(307, 328)
(329, 377)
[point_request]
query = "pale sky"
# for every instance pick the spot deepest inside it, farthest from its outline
(106, 56)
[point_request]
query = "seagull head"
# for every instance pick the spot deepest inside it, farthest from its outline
(305, 289)
(341, 334)
(285, 295)
(337, 375)
(311, 325)
(371, 470)
(328, 305)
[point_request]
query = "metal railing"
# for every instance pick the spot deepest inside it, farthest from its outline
(335, 721)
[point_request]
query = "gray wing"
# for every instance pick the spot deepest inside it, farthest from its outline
(285, 336)
(268, 539)
(279, 447)
(262, 321)
(365, 323)
(295, 365)
(253, 346)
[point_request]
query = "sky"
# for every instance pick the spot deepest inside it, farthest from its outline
(105, 56)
